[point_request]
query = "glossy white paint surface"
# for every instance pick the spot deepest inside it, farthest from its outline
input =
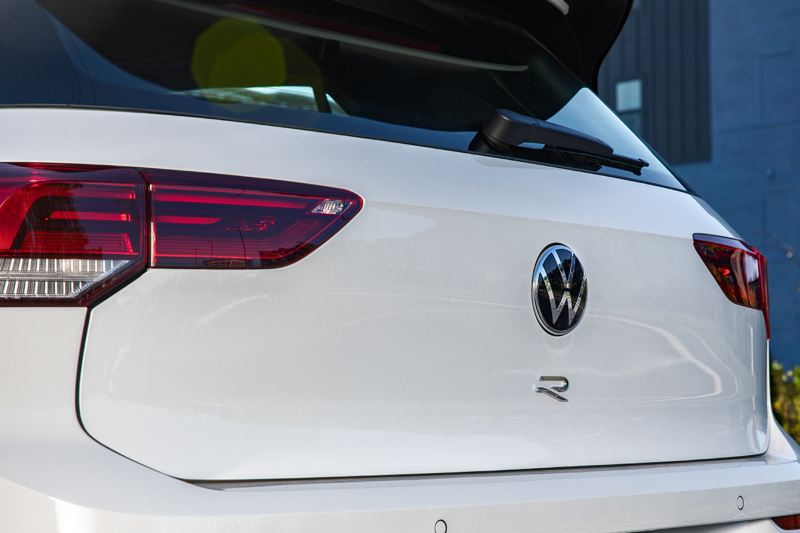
(56, 479)
(407, 344)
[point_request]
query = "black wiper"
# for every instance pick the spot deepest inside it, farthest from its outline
(507, 129)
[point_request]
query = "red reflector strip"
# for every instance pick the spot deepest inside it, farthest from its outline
(336, 25)
(59, 167)
(167, 219)
(107, 217)
(226, 198)
(65, 244)
(788, 523)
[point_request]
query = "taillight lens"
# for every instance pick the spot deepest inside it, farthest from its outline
(788, 523)
(739, 269)
(202, 221)
(68, 233)
(71, 233)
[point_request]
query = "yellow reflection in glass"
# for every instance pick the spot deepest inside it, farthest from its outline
(238, 53)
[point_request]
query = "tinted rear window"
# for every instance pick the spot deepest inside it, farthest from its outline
(33, 69)
(418, 71)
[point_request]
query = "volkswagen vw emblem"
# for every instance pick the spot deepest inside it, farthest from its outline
(558, 289)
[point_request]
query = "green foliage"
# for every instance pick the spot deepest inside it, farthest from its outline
(785, 386)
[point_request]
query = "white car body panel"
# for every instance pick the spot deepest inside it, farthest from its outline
(55, 478)
(192, 345)
(408, 344)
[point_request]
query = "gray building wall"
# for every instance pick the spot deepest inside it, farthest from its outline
(751, 172)
(665, 45)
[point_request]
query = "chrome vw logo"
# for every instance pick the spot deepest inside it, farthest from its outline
(558, 289)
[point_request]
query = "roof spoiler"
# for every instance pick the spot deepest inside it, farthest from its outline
(579, 32)
(561, 5)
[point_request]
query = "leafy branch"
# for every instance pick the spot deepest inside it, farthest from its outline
(785, 386)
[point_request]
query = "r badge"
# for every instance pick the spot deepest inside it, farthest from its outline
(559, 384)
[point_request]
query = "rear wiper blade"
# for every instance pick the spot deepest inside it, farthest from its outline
(508, 129)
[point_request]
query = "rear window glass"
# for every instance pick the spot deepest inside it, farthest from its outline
(425, 72)
(32, 68)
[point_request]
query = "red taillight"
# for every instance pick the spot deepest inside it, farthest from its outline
(70, 233)
(788, 523)
(202, 221)
(739, 269)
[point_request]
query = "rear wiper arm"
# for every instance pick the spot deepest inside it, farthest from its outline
(507, 129)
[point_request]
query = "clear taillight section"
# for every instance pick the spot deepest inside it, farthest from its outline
(739, 269)
(71, 233)
(68, 233)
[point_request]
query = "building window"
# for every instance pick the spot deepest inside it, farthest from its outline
(629, 104)
(629, 96)
(666, 102)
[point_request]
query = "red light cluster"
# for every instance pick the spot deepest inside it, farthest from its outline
(739, 269)
(161, 218)
(788, 523)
